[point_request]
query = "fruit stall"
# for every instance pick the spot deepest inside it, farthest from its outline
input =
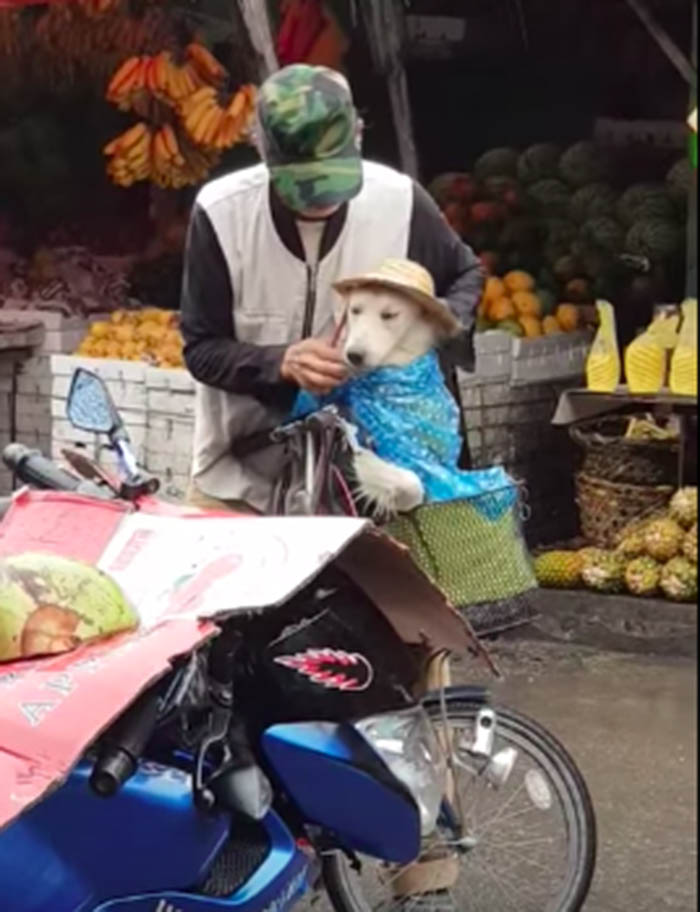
(112, 114)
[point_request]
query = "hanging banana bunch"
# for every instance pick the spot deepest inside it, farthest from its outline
(193, 121)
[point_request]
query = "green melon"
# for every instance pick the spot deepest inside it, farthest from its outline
(654, 238)
(644, 201)
(548, 300)
(592, 201)
(512, 327)
(604, 232)
(584, 163)
(679, 182)
(501, 162)
(550, 197)
(539, 162)
(519, 233)
(567, 267)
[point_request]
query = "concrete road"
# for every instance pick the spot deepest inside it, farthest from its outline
(630, 723)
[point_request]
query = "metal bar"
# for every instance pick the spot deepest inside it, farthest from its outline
(665, 42)
(384, 25)
(257, 22)
(692, 226)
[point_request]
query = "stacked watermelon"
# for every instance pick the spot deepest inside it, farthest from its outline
(564, 218)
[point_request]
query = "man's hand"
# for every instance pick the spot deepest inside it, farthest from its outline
(315, 366)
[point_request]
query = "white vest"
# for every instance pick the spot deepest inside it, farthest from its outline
(270, 292)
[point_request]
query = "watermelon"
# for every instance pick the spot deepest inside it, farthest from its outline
(584, 163)
(548, 301)
(679, 182)
(604, 232)
(642, 202)
(567, 267)
(453, 187)
(497, 163)
(560, 231)
(539, 162)
(550, 196)
(654, 238)
(519, 233)
(592, 201)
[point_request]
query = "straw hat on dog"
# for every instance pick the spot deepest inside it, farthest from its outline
(410, 279)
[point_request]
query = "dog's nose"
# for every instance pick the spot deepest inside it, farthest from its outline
(356, 358)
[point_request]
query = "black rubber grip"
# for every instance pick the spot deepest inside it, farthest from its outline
(36, 470)
(123, 746)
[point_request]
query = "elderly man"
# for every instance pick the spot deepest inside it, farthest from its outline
(265, 246)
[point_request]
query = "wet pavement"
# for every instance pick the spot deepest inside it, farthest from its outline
(630, 723)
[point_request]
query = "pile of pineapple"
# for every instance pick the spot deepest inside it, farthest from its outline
(655, 556)
(150, 335)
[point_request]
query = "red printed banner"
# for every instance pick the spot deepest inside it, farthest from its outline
(178, 569)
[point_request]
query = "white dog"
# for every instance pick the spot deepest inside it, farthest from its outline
(393, 320)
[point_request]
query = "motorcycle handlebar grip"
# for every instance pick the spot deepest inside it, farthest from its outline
(123, 746)
(34, 469)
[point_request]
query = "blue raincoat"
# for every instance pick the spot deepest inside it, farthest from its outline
(408, 417)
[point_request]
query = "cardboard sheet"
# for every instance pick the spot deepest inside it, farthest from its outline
(181, 570)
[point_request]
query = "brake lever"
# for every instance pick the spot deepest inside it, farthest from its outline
(217, 735)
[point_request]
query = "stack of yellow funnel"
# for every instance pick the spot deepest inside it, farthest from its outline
(604, 367)
(646, 359)
(684, 363)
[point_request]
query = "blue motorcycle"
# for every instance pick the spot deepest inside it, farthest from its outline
(291, 756)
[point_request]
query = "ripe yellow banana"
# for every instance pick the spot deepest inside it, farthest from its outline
(204, 61)
(193, 122)
(238, 105)
(209, 126)
(169, 139)
(123, 77)
(132, 137)
(161, 64)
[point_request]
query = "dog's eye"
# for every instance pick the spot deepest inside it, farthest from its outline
(355, 311)
(389, 316)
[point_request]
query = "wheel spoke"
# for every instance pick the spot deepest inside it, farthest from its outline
(519, 857)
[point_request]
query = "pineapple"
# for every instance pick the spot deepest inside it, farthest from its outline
(642, 576)
(679, 580)
(603, 571)
(558, 569)
(631, 544)
(684, 507)
(604, 367)
(684, 363)
(690, 545)
(663, 539)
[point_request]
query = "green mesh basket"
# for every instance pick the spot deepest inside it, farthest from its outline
(473, 559)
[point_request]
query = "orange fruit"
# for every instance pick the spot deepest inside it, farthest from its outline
(501, 309)
(517, 280)
(527, 304)
(494, 289)
(531, 326)
(568, 317)
(551, 327)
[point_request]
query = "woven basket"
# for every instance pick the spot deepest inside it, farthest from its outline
(472, 549)
(606, 507)
(610, 456)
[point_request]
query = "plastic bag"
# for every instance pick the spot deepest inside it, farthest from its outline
(408, 417)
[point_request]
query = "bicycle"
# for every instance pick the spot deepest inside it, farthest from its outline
(518, 829)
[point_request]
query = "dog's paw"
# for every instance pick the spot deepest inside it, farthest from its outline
(385, 488)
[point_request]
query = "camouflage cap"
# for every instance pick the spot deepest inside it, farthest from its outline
(309, 137)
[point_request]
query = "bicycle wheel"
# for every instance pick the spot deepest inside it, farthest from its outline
(528, 845)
